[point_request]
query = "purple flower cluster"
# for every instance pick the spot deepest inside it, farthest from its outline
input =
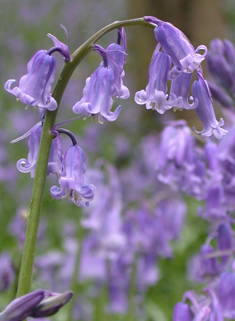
(133, 217)
(119, 241)
(177, 50)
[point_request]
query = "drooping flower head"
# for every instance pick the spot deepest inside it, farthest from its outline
(29, 165)
(173, 47)
(226, 293)
(205, 111)
(105, 83)
(72, 179)
(155, 95)
(35, 87)
(177, 46)
(203, 307)
(37, 304)
(55, 157)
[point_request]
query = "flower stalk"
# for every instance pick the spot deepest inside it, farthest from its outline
(27, 263)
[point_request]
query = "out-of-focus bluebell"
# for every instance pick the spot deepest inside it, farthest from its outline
(7, 272)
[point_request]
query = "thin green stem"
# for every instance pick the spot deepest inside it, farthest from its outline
(27, 263)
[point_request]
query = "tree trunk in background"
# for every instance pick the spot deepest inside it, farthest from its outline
(200, 20)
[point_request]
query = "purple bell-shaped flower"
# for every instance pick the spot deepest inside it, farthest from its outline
(105, 83)
(35, 87)
(205, 111)
(72, 179)
(155, 95)
(178, 47)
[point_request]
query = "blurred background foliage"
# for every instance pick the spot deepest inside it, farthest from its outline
(24, 25)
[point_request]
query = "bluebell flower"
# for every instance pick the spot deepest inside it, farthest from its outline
(226, 294)
(205, 111)
(37, 304)
(21, 308)
(155, 95)
(220, 95)
(203, 307)
(225, 241)
(55, 157)
(104, 215)
(104, 84)
(35, 87)
(116, 60)
(179, 92)
(72, 178)
(221, 67)
(221, 64)
(178, 47)
(179, 164)
(29, 165)
(7, 273)
(182, 312)
(51, 304)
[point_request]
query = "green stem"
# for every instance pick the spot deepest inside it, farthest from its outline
(27, 263)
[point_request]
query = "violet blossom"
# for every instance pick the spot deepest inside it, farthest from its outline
(155, 95)
(72, 178)
(221, 64)
(35, 87)
(7, 273)
(203, 307)
(104, 84)
(29, 165)
(179, 163)
(205, 111)
(55, 157)
(226, 293)
(177, 46)
(37, 304)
